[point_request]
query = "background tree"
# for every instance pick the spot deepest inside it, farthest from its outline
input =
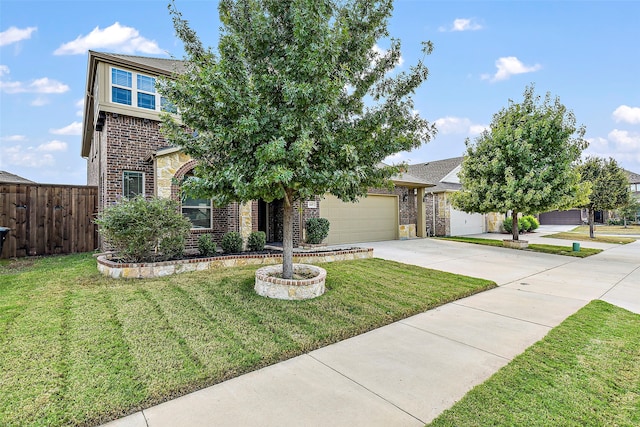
(609, 186)
(524, 162)
(630, 211)
(298, 101)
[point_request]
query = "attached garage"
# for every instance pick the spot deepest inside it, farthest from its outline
(463, 223)
(373, 218)
(570, 217)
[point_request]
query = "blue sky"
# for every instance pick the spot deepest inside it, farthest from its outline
(585, 52)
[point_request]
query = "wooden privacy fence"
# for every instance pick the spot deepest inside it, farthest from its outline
(48, 219)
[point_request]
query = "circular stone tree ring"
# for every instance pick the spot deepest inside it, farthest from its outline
(269, 282)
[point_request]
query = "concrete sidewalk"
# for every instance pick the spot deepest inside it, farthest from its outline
(407, 373)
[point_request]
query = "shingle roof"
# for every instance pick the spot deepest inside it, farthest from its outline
(163, 64)
(633, 177)
(13, 179)
(435, 171)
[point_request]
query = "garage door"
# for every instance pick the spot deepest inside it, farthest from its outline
(571, 217)
(373, 218)
(463, 223)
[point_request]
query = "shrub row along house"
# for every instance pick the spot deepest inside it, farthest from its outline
(128, 156)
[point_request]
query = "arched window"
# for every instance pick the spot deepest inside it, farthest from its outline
(198, 211)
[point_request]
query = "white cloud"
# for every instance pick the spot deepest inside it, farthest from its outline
(29, 157)
(40, 101)
(477, 129)
(463, 24)
(625, 140)
(116, 37)
(42, 85)
(74, 128)
(13, 138)
(598, 144)
(395, 158)
(80, 107)
(53, 146)
(458, 125)
(624, 113)
(509, 66)
(14, 34)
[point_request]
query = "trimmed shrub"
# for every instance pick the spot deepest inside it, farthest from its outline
(317, 230)
(507, 225)
(257, 240)
(231, 242)
(206, 245)
(533, 222)
(524, 224)
(144, 230)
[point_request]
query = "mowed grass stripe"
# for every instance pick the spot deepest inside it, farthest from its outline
(128, 344)
(227, 304)
(209, 341)
(157, 354)
(30, 362)
(101, 376)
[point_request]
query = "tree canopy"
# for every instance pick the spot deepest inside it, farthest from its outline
(525, 162)
(297, 101)
(609, 186)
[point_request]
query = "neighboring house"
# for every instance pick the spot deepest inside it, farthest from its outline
(127, 155)
(580, 216)
(441, 218)
(634, 186)
(9, 178)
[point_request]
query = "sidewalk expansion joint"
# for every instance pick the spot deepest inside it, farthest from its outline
(367, 389)
(456, 341)
(619, 281)
(504, 315)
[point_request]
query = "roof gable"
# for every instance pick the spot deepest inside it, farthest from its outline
(11, 178)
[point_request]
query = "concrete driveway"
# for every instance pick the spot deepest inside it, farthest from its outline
(407, 373)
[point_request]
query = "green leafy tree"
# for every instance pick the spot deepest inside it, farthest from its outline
(630, 211)
(609, 186)
(524, 162)
(296, 102)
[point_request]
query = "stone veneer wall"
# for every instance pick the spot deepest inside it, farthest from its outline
(494, 222)
(159, 269)
(438, 212)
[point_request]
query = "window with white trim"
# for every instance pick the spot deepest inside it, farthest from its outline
(137, 90)
(132, 184)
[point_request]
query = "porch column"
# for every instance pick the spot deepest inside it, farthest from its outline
(246, 224)
(421, 218)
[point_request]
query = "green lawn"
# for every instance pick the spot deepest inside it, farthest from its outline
(534, 247)
(609, 229)
(585, 372)
(79, 348)
(584, 237)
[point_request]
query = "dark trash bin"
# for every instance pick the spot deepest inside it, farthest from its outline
(3, 235)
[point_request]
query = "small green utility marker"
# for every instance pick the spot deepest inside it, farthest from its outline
(576, 247)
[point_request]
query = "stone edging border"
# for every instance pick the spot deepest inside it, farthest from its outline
(166, 268)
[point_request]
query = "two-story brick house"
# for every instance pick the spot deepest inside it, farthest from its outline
(127, 155)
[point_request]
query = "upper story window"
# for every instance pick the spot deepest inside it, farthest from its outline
(137, 90)
(132, 184)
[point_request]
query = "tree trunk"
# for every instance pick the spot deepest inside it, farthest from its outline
(287, 239)
(514, 225)
(592, 221)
